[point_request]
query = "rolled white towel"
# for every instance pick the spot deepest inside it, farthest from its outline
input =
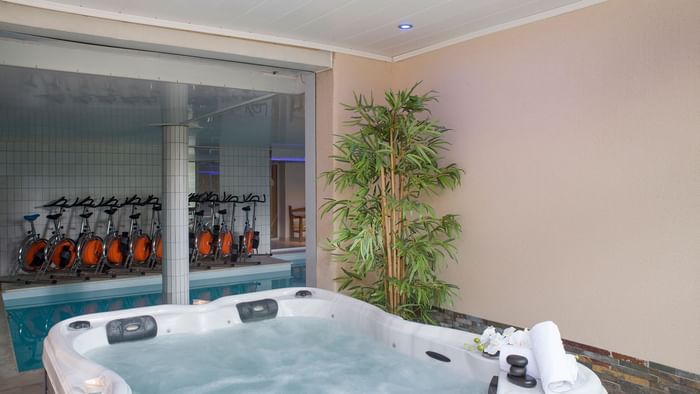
(507, 350)
(558, 370)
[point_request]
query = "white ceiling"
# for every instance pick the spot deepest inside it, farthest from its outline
(362, 27)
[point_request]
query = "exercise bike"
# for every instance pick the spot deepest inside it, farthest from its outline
(250, 240)
(31, 252)
(113, 255)
(201, 236)
(61, 251)
(225, 246)
(156, 238)
(90, 246)
(139, 251)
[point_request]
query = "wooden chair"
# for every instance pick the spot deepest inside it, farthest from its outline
(297, 223)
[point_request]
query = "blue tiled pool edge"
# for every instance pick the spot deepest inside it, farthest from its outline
(33, 311)
(83, 291)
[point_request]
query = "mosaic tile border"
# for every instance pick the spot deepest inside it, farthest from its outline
(618, 372)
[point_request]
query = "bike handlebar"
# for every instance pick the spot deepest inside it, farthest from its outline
(59, 202)
(111, 202)
(85, 202)
(151, 200)
(133, 200)
(62, 202)
(254, 198)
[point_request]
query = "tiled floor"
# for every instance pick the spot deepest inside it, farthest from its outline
(286, 244)
(25, 383)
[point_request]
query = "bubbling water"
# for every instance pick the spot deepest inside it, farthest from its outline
(283, 355)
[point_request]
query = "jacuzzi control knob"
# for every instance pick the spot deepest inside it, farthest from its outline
(302, 294)
(79, 325)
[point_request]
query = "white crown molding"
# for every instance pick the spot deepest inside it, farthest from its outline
(142, 20)
(78, 10)
(497, 28)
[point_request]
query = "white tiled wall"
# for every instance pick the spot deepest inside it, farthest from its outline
(37, 169)
(247, 170)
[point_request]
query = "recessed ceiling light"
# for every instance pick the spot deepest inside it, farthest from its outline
(405, 26)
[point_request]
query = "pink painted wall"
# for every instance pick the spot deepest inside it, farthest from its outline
(580, 138)
(334, 87)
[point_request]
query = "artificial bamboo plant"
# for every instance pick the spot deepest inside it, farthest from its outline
(390, 242)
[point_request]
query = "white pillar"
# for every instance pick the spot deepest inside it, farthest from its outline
(176, 274)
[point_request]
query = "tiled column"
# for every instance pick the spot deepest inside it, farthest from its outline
(176, 275)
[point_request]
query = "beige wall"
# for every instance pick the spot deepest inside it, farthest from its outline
(580, 138)
(334, 87)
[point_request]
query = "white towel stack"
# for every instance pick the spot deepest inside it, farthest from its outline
(557, 369)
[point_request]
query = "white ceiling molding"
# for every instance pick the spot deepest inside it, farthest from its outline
(71, 9)
(15, 17)
(373, 39)
(497, 28)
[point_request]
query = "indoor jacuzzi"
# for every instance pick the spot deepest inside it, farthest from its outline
(287, 340)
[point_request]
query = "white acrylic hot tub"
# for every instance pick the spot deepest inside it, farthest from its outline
(70, 372)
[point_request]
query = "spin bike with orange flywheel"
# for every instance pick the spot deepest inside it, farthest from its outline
(139, 252)
(91, 247)
(225, 245)
(202, 233)
(31, 252)
(113, 255)
(250, 240)
(61, 252)
(156, 238)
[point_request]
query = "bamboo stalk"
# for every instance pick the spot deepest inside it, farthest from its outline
(402, 261)
(387, 242)
(392, 179)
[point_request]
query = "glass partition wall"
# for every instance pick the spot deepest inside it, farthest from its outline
(93, 128)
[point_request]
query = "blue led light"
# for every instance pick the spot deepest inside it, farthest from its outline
(290, 159)
(405, 26)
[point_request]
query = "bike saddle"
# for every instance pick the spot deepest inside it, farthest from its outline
(157, 208)
(221, 212)
(110, 211)
(246, 208)
(135, 216)
(199, 213)
(32, 217)
(54, 216)
(86, 215)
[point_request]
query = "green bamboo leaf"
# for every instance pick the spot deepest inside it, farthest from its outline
(425, 241)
